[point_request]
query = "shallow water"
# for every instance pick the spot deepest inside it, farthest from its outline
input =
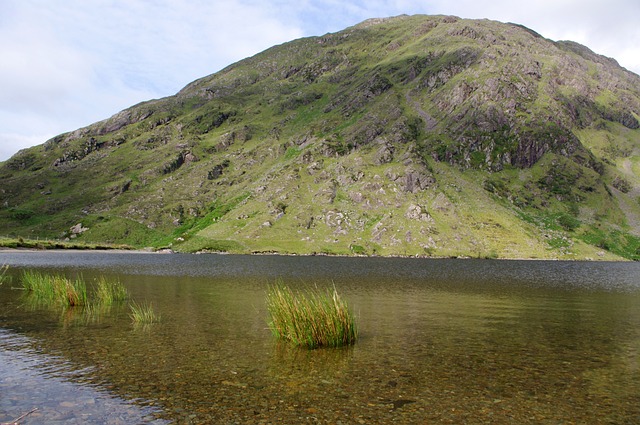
(441, 341)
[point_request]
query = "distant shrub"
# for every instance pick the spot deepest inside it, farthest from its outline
(491, 255)
(292, 153)
(358, 249)
(216, 245)
(478, 159)
(568, 222)
(496, 186)
(19, 214)
(21, 161)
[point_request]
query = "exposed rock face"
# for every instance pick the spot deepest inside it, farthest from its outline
(415, 181)
(384, 155)
(416, 212)
(185, 157)
(123, 119)
(217, 170)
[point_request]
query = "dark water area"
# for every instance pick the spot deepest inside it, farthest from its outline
(441, 341)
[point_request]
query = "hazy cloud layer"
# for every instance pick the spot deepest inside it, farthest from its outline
(69, 63)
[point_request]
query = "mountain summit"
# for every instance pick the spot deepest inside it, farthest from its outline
(412, 135)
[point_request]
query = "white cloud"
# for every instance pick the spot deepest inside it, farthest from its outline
(69, 63)
(37, 68)
(12, 143)
(609, 28)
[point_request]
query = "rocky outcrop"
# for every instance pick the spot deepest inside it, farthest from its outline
(77, 230)
(184, 157)
(217, 170)
(125, 118)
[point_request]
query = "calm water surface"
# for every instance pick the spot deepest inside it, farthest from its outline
(441, 341)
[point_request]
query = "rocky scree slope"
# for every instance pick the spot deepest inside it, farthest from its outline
(413, 135)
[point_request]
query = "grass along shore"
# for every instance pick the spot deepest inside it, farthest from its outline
(3, 273)
(43, 244)
(58, 290)
(55, 289)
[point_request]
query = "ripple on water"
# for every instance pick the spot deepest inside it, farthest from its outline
(32, 380)
(441, 341)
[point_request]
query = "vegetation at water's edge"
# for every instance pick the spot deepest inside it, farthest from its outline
(110, 291)
(143, 313)
(3, 273)
(24, 243)
(55, 289)
(312, 320)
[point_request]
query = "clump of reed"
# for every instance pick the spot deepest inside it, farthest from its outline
(55, 288)
(109, 291)
(143, 313)
(316, 319)
(3, 273)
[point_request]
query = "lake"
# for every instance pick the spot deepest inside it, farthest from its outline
(440, 341)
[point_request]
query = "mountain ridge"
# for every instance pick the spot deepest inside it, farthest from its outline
(411, 135)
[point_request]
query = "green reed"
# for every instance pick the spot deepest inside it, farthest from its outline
(52, 289)
(55, 289)
(143, 313)
(109, 291)
(75, 292)
(317, 319)
(3, 273)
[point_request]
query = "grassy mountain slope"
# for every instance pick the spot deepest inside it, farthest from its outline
(403, 136)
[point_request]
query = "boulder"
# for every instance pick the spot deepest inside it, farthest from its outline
(78, 229)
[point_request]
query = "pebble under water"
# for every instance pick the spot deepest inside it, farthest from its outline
(441, 341)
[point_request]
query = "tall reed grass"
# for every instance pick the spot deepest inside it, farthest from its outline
(109, 291)
(52, 289)
(3, 273)
(317, 319)
(55, 288)
(143, 313)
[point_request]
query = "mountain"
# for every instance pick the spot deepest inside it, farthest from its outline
(412, 135)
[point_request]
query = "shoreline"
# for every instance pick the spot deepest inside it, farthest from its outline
(76, 249)
(166, 251)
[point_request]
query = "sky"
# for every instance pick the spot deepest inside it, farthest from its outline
(65, 64)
